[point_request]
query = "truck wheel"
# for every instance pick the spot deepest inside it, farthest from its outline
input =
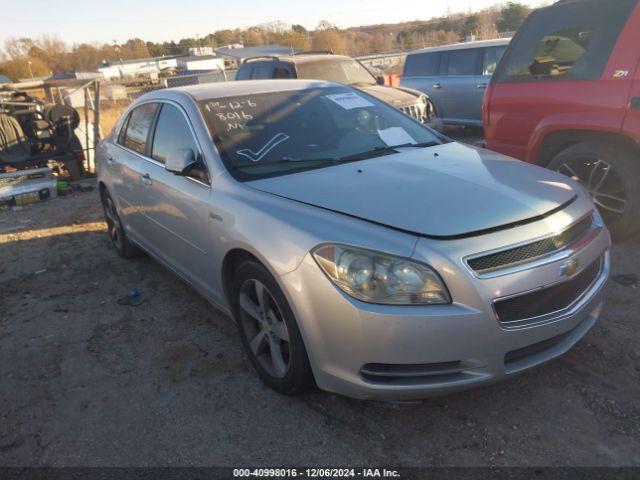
(269, 330)
(610, 174)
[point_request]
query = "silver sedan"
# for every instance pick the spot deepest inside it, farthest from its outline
(356, 249)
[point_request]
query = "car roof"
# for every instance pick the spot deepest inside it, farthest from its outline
(300, 58)
(461, 46)
(208, 91)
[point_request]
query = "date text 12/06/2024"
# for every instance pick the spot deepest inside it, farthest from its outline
(315, 473)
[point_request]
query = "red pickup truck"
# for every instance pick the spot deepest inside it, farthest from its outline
(566, 95)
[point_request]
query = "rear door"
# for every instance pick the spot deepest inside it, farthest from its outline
(422, 72)
(461, 87)
(129, 155)
(176, 206)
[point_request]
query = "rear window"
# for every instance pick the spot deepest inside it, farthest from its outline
(262, 72)
(281, 72)
(568, 41)
(244, 72)
(463, 62)
(422, 64)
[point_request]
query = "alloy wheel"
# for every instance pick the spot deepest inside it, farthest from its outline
(264, 327)
(602, 182)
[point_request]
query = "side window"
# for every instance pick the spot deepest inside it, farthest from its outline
(463, 62)
(123, 130)
(281, 72)
(490, 58)
(173, 133)
(571, 40)
(138, 126)
(422, 64)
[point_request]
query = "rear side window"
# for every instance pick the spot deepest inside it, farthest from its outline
(567, 41)
(422, 64)
(490, 58)
(463, 62)
(138, 126)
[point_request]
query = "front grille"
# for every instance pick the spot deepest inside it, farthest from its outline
(526, 309)
(530, 251)
(413, 111)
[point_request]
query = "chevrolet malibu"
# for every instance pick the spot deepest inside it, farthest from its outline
(355, 248)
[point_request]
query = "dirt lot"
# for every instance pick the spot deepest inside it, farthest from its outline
(85, 381)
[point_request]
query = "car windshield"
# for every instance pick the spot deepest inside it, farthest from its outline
(277, 133)
(346, 71)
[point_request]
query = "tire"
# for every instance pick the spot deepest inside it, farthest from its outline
(115, 229)
(268, 330)
(611, 175)
(14, 145)
(55, 113)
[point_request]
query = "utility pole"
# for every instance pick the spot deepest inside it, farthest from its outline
(30, 70)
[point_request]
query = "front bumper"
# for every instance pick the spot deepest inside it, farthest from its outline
(374, 351)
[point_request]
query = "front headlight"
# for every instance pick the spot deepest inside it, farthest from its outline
(377, 277)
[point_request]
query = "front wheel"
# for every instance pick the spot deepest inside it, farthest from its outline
(269, 330)
(610, 174)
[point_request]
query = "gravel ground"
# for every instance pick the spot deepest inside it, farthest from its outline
(85, 381)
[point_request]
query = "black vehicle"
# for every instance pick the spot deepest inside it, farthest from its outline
(341, 69)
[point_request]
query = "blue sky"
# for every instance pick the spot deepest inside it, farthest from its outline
(105, 21)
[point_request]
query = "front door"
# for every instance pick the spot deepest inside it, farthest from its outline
(176, 206)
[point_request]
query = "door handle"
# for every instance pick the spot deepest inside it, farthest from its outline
(437, 86)
(635, 103)
(110, 160)
(146, 179)
(481, 86)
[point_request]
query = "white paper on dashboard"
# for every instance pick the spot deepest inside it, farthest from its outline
(395, 136)
(350, 100)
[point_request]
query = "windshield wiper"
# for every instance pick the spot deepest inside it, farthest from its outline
(380, 151)
(431, 143)
(290, 161)
(323, 162)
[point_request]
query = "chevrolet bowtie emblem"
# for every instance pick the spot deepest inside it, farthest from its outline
(569, 268)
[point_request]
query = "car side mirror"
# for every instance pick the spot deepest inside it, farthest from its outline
(180, 161)
(380, 80)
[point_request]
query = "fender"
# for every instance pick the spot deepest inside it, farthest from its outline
(597, 121)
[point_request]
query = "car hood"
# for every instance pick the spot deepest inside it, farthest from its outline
(393, 96)
(449, 190)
